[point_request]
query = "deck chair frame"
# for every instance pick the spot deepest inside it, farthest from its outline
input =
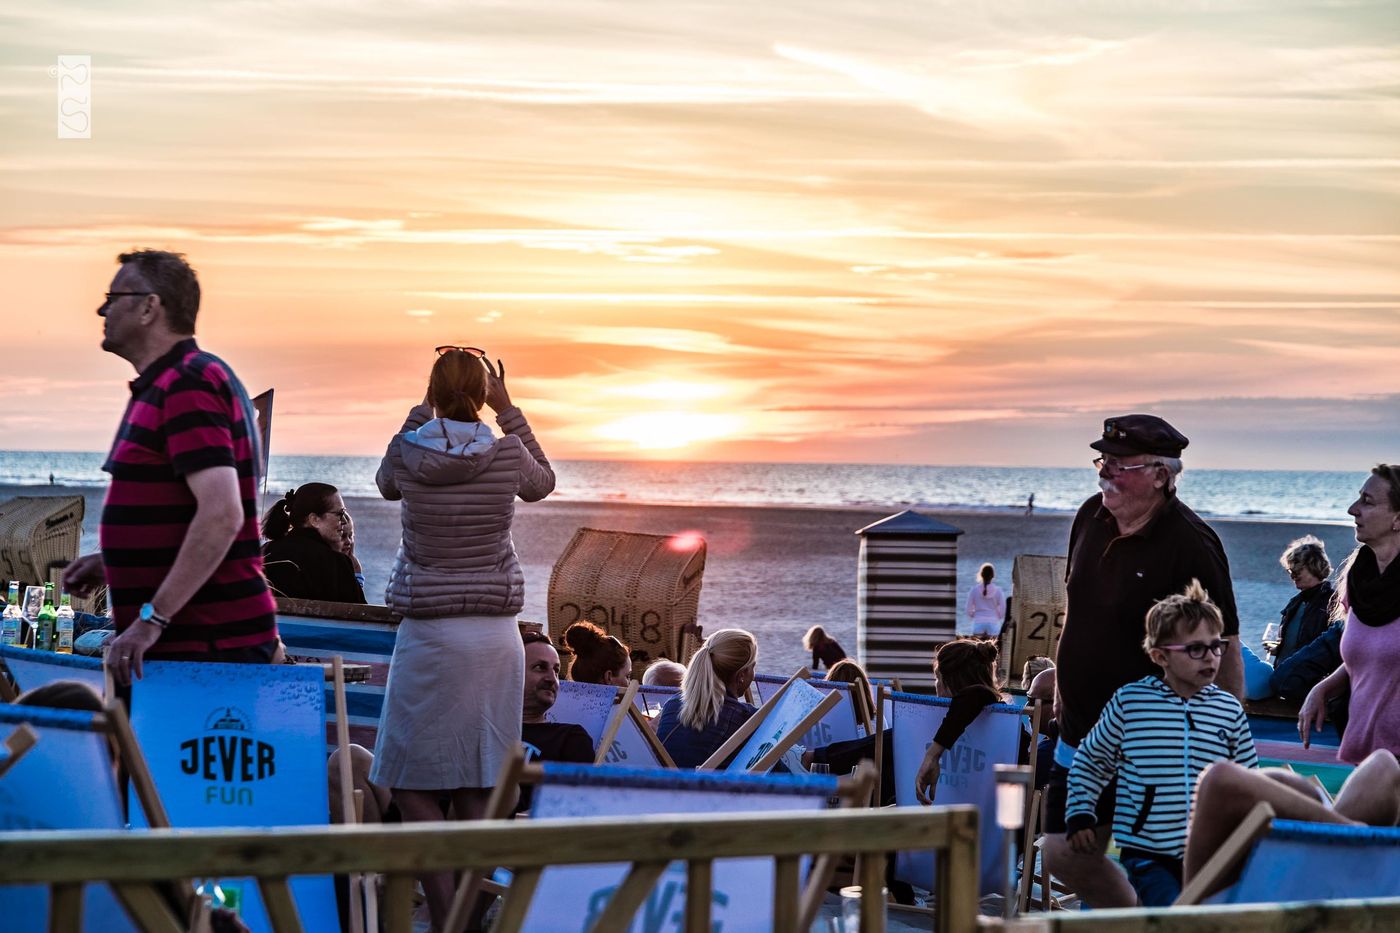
(731, 745)
(853, 790)
(1229, 856)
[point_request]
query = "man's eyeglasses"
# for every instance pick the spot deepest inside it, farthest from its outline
(109, 297)
(473, 351)
(342, 515)
(1197, 649)
(1117, 467)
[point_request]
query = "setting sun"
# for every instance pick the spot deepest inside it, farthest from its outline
(667, 430)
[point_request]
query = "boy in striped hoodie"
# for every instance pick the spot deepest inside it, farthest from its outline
(1155, 738)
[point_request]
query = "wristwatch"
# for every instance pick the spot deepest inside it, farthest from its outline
(148, 614)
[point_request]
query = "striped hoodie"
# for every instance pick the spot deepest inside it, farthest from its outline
(1157, 743)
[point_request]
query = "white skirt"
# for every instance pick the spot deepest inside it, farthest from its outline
(452, 706)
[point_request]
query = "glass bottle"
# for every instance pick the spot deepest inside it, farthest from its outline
(45, 621)
(63, 626)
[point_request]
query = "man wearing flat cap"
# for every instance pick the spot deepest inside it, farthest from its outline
(1131, 545)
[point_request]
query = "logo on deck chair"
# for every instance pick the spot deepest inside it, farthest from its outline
(229, 756)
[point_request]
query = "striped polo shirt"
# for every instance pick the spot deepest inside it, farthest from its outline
(185, 415)
(1157, 743)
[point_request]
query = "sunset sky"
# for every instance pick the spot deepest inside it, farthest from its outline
(930, 232)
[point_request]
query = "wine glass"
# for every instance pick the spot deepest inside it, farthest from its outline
(1272, 638)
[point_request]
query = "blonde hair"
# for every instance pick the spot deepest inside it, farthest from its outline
(816, 635)
(848, 671)
(1181, 612)
(724, 654)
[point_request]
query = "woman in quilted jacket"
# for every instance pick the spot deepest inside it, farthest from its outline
(452, 704)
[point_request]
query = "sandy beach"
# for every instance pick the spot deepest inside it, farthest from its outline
(780, 570)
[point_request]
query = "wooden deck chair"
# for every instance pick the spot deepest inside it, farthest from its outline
(842, 724)
(242, 745)
(29, 668)
(1228, 857)
(609, 895)
(629, 740)
(1295, 860)
(760, 742)
(60, 774)
(967, 777)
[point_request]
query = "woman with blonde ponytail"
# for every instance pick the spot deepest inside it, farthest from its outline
(708, 710)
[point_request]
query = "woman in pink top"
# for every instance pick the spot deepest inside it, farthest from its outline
(986, 604)
(1370, 595)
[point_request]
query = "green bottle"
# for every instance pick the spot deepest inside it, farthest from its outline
(48, 616)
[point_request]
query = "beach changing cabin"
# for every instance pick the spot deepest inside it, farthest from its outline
(642, 588)
(906, 595)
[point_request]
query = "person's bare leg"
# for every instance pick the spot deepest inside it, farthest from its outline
(1227, 792)
(1371, 794)
(376, 798)
(421, 806)
(1096, 879)
(469, 803)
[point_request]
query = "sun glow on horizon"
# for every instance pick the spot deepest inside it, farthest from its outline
(669, 430)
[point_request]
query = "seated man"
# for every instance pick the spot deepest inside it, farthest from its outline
(546, 741)
(1227, 792)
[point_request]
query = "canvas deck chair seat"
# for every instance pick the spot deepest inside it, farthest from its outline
(58, 774)
(966, 776)
(30, 668)
(1291, 860)
(239, 745)
(841, 724)
(743, 889)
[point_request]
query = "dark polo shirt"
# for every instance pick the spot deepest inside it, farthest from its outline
(1112, 581)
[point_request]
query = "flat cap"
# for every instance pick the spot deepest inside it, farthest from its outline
(1140, 434)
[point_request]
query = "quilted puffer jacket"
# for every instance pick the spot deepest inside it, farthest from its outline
(458, 484)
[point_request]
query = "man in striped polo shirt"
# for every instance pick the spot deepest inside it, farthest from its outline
(179, 534)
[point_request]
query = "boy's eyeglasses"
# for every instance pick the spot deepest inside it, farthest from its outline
(478, 353)
(1197, 649)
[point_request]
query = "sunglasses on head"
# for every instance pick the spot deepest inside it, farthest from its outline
(472, 351)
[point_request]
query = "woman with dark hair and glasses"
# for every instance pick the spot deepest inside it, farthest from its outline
(452, 705)
(310, 549)
(1369, 598)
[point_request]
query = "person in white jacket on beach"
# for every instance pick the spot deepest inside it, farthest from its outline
(986, 604)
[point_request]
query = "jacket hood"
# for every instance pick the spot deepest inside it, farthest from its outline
(442, 451)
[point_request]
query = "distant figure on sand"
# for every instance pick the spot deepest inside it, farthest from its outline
(310, 549)
(1030, 504)
(452, 705)
(825, 649)
(986, 604)
(179, 528)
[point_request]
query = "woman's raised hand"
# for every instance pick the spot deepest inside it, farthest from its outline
(497, 396)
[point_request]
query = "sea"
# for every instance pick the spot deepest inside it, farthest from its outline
(1282, 495)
